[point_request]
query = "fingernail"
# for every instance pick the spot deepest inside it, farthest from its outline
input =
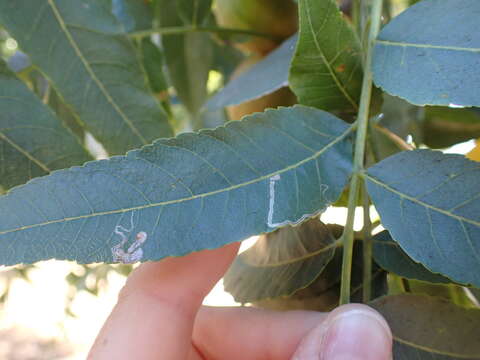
(356, 335)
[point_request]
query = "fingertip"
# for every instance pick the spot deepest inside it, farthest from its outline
(190, 275)
(351, 332)
(156, 309)
(361, 309)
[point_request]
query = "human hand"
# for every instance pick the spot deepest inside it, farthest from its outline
(159, 316)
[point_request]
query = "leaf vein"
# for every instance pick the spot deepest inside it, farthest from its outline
(327, 65)
(92, 74)
(419, 202)
(427, 46)
(181, 200)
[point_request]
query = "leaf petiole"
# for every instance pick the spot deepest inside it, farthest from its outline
(361, 138)
(177, 30)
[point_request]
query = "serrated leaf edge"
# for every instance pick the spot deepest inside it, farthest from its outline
(177, 201)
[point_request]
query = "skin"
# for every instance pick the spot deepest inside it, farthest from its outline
(159, 316)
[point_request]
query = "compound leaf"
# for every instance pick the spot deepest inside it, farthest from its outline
(183, 194)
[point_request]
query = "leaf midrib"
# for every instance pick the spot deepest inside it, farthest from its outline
(327, 63)
(92, 74)
(198, 196)
(334, 245)
(421, 203)
(24, 153)
(426, 46)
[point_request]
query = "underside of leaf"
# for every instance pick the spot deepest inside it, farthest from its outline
(180, 195)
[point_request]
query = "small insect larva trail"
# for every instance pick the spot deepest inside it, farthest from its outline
(134, 253)
(270, 223)
(271, 204)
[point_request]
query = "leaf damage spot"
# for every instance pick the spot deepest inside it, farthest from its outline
(134, 252)
(323, 189)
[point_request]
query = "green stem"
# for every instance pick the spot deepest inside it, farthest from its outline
(177, 30)
(367, 247)
(362, 122)
(365, 11)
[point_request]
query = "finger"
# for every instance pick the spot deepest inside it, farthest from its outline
(154, 316)
(240, 333)
(350, 332)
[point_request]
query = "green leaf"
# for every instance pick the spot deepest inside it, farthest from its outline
(135, 15)
(443, 127)
(32, 140)
(153, 60)
(84, 52)
(193, 12)
(429, 54)
(388, 254)
(226, 58)
(430, 328)
(280, 263)
(326, 70)
(210, 119)
(264, 77)
(430, 204)
(184, 194)
(66, 115)
(323, 293)
(188, 58)
(379, 284)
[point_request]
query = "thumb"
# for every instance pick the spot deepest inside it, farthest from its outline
(350, 332)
